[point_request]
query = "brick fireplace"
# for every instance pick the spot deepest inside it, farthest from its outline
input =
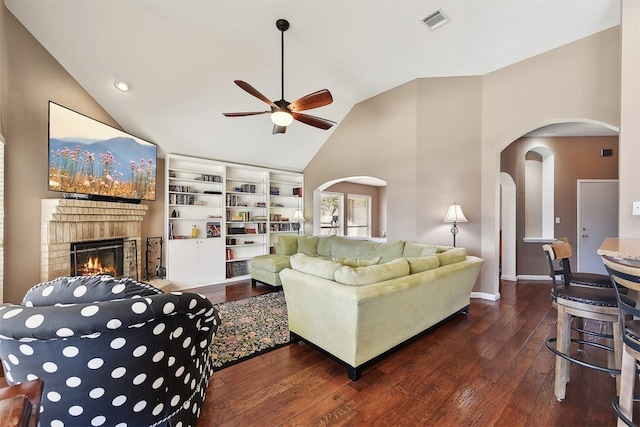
(67, 221)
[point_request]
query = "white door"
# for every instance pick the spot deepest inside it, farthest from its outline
(597, 220)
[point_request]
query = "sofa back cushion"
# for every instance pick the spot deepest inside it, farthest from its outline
(415, 250)
(314, 266)
(287, 245)
(359, 276)
(344, 247)
(452, 256)
(387, 251)
(424, 263)
(308, 245)
(324, 246)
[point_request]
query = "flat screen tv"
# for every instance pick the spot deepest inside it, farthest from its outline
(89, 159)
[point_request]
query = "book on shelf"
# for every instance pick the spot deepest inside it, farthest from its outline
(213, 229)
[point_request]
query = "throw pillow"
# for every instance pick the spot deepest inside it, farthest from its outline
(324, 246)
(287, 245)
(356, 262)
(420, 264)
(359, 276)
(452, 256)
(308, 245)
(415, 250)
(314, 266)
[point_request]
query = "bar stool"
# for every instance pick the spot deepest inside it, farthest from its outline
(627, 274)
(581, 301)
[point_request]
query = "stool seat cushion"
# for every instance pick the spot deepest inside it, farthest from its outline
(591, 296)
(591, 279)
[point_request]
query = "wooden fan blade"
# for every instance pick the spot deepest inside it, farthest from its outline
(243, 114)
(279, 129)
(253, 91)
(313, 121)
(313, 100)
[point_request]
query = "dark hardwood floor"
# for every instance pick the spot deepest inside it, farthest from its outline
(488, 368)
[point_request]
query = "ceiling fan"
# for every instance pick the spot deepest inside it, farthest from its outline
(283, 113)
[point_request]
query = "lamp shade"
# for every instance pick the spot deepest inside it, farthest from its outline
(454, 214)
(298, 216)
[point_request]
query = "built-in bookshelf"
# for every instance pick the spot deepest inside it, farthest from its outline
(219, 215)
(246, 218)
(285, 200)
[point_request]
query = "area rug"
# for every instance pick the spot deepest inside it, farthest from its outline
(249, 327)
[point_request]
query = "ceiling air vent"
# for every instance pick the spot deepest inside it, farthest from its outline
(436, 20)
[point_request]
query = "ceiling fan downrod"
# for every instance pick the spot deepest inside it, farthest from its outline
(282, 25)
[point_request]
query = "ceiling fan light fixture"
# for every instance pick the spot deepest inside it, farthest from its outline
(281, 117)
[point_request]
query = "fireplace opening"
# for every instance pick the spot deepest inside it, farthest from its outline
(98, 257)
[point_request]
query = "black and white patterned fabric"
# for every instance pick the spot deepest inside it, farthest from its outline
(110, 352)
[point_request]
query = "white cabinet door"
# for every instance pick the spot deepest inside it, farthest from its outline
(195, 262)
(210, 261)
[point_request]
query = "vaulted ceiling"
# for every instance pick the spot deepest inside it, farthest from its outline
(182, 57)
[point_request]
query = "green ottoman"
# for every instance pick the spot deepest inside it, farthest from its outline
(267, 268)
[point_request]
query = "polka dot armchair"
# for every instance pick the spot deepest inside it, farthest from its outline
(110, 352)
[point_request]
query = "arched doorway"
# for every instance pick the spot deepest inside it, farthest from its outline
(520, 254)
(355, 192)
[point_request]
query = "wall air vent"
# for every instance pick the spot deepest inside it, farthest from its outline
(436, 20)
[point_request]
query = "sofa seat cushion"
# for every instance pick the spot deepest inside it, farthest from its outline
(271, 263)
(424, 263)
(359, 276)
(387, 251)
(315, 266)
(416, 250)
(356, 262)
(452, 256)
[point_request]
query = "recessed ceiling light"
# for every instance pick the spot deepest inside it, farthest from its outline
(123, 85)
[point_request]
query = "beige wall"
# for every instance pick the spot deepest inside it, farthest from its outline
(35, 78)
(629, 226)
(579, 81)
(379, 149)
(451, 152)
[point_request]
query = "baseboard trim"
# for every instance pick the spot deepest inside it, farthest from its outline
(484, 295)
(532, 277)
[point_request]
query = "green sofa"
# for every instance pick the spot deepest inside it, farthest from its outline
(358, 299)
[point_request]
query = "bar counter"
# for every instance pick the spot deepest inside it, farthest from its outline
(618, 248)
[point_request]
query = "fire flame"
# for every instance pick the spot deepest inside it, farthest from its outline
(93, 267)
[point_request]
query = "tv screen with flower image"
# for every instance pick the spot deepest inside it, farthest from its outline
(90, 159)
